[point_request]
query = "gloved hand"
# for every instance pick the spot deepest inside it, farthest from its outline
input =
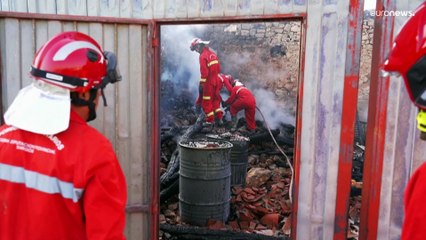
(200, 89)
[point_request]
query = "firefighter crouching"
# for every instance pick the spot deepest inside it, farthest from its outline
(209, 82)
(59, 177)
(242, 99)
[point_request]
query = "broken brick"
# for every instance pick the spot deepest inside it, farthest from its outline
(271, 220)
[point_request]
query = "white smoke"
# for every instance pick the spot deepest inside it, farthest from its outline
(272, 110)
(179, 64)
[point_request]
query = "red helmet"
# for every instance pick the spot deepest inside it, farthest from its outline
(408, 56)
(71, 60)
(196, 41)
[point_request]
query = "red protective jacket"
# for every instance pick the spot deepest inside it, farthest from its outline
(225, 81)
(209, 70)
(242, 99)
(65, 186)
(414, 224)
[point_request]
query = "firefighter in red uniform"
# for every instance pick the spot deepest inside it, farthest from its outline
(59, 177)
(242, 99)
(408, 59)
(209, 82)
(226, 80)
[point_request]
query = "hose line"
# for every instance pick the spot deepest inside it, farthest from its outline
(290, 191)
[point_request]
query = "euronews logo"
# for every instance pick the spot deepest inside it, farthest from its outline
(386, 13)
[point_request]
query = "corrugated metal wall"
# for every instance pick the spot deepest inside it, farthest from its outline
(321, 96)
(392, 122)
(123, 121)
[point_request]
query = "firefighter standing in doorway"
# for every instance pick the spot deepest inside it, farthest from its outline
(209, 81)
(242, 99)
(408, 59)
(60, 177)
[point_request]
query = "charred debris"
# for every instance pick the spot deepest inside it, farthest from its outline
(260, 208)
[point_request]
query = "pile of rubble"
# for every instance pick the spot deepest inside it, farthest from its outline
(259, 207)
(263, 206)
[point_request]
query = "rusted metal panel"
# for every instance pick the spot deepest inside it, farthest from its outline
(138, 156)
(123, 121)
(350, 97)
(173, 9)
(321, 118)
(392, 139)
(11, 61)
(153, 87)
(376, 128)
(148, 9)
(397, 150)
(402, 146)
(298, 142)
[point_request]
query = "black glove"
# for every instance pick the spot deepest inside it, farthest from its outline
(200, 89)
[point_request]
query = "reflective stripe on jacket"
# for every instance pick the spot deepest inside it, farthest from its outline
(66, 186)
(209, 65)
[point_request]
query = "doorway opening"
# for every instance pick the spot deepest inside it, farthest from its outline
(265, 57)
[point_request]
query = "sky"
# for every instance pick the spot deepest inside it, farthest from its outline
(369, 4)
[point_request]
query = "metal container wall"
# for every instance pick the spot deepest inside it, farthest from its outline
(239, 161)
(204, 182)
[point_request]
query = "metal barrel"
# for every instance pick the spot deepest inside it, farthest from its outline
(204, 181)
(239, 162)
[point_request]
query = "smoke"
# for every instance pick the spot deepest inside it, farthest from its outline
(252, 65)
(178, 63)
(272, 110)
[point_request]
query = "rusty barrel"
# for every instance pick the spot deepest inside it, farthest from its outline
(204, 181)
(239, 162)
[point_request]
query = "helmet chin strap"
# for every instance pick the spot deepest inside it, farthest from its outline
(89, 103)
